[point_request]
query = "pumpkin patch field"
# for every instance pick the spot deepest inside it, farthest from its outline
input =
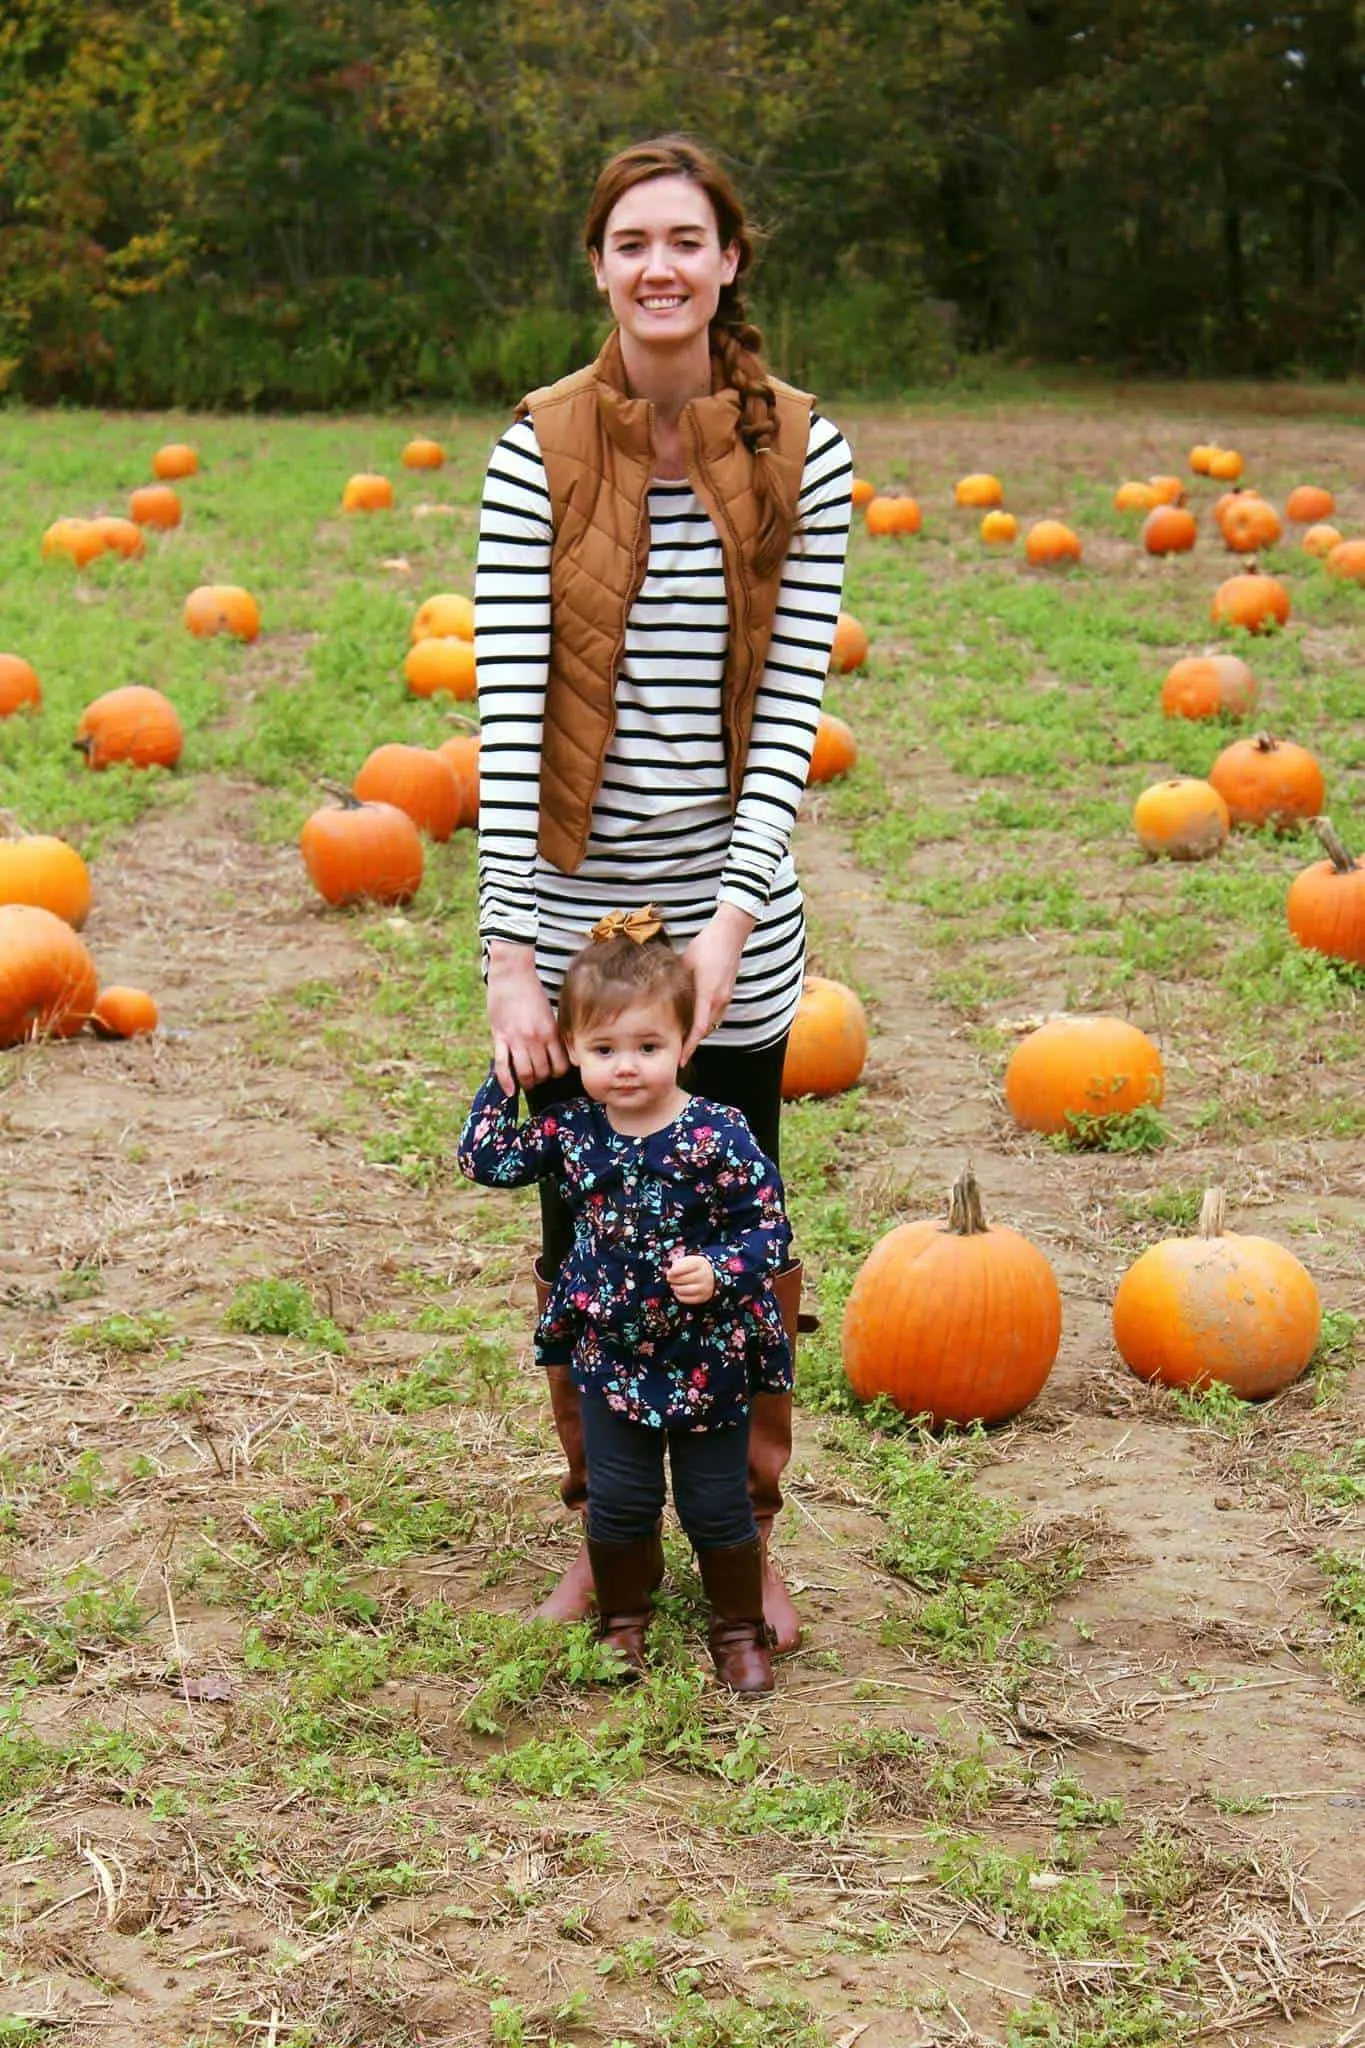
(1073, 1752)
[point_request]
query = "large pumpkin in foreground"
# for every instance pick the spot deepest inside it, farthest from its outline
(47, 977)
(1326, 907)
(827, 1048)
(135, 724)
(1082, 1066)
(1217, 1306)
(958, 1320)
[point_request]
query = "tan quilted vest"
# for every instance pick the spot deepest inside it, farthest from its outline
(597, 444)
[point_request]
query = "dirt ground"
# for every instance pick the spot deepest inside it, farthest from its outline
(1187, 1676)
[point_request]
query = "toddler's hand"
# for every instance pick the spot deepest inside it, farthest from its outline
(692, 1278)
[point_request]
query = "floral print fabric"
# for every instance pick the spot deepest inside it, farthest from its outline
(699, 1185)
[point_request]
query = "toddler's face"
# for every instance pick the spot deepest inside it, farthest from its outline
(629, 1062)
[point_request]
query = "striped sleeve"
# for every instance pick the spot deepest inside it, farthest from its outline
(787, 707)
(512, 656)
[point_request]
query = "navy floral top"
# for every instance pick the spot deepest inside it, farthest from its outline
(701, 1184)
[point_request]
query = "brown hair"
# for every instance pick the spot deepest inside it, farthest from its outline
(608, 975)
(736, 344)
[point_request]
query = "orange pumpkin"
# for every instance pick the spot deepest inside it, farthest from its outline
(418, 781)
(1183, 818)
(47, 977)
(48, 873)
(362, 853)
(1209, 686)
(1222, 506)
(957, 1320)
(1169, 489)
(1050, 542)
(1169, 530)
(863, 492)
(893, 515)
(121, 536)
(1135, 497)
(134, 724)
(155, 505)
(835, 749)
(367, 493)
(1217, 1306)
(1250, 524)
(827, 1048)
(20, 689)
(1082, 1066)
(1326, 907)
(222, 608)
(175, 460)
(1225, 465)
(447, 616)
(1200, 457)
(1265, 781)
(420, 454)
(850, 646)
(124, 1013)
(461, 755)
(1321, 540)
(441, 664)
(1258, 604)
(73, 540)
(1347, 559)
(1308, 503)
(999, 529)
(981, 490)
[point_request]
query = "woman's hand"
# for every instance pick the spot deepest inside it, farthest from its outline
(526, 1042)
(714, 957)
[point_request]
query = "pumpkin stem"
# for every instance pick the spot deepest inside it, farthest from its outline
(347, 798)
(1212, 1212)
(1336, 851)
(1264, 743)
(966, 1217)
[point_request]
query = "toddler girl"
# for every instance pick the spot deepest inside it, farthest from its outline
(664, 1307)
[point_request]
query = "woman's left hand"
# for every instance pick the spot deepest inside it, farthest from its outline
(714, 957)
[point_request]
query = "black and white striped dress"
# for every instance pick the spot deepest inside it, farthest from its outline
(662, 829)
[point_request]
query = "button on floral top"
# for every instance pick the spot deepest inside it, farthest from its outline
(701, 1184)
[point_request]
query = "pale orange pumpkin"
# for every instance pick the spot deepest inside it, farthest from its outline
(850, 646)
(893, 515)
(981, 490)
(361, 852)
(447, 616)
(461, 755)
(1225, 465)
(20, 689)
(44, 871)
(1051, 542)
(1209, 686)
(1309, 503)
(1169, 489)
(124, 1013)
(155, 505)
(366, 492)
(73, 540)
(441, 664)
(862, 492)
(1256, 603)
(418, 781)
(999, 529)
(423, 454)
(222, 608)
(1321, 540)
(1250, 524)
(1217, 1307)
(1200, 457)
(175, 460)
(133, 724)
(1169, 530)
(1347, 560)
(1074, 1066)
(47, 977)
(121, 536)
(1326, 907)
(827, 1047)
(1135, 496)
(957, 1320)
(1182, 818)
(835, 749)
(1266, 781)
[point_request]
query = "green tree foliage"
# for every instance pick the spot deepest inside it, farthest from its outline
(326, 202)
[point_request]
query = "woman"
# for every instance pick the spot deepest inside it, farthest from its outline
(660, 565)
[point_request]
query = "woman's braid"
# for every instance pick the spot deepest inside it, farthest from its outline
(738, 347)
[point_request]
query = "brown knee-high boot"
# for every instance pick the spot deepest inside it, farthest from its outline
(572, 1598)
(770, 1449)
(626, 1577)
(738, 1633)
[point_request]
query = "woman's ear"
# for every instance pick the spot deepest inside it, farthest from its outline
(595, 258)
(729, 264)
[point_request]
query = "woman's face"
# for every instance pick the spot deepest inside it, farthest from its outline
(661, 265)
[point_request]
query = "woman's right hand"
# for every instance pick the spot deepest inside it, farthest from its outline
(526, 1042)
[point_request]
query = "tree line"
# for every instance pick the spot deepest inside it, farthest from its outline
(340, 202)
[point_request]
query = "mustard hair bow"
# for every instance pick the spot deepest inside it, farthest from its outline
(639, 925)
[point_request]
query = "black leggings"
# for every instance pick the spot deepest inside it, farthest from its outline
(749, 1080)
(626, 1479)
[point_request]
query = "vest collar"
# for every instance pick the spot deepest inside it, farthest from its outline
(630, 421)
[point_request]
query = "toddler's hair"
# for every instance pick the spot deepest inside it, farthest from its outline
(608, 975)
